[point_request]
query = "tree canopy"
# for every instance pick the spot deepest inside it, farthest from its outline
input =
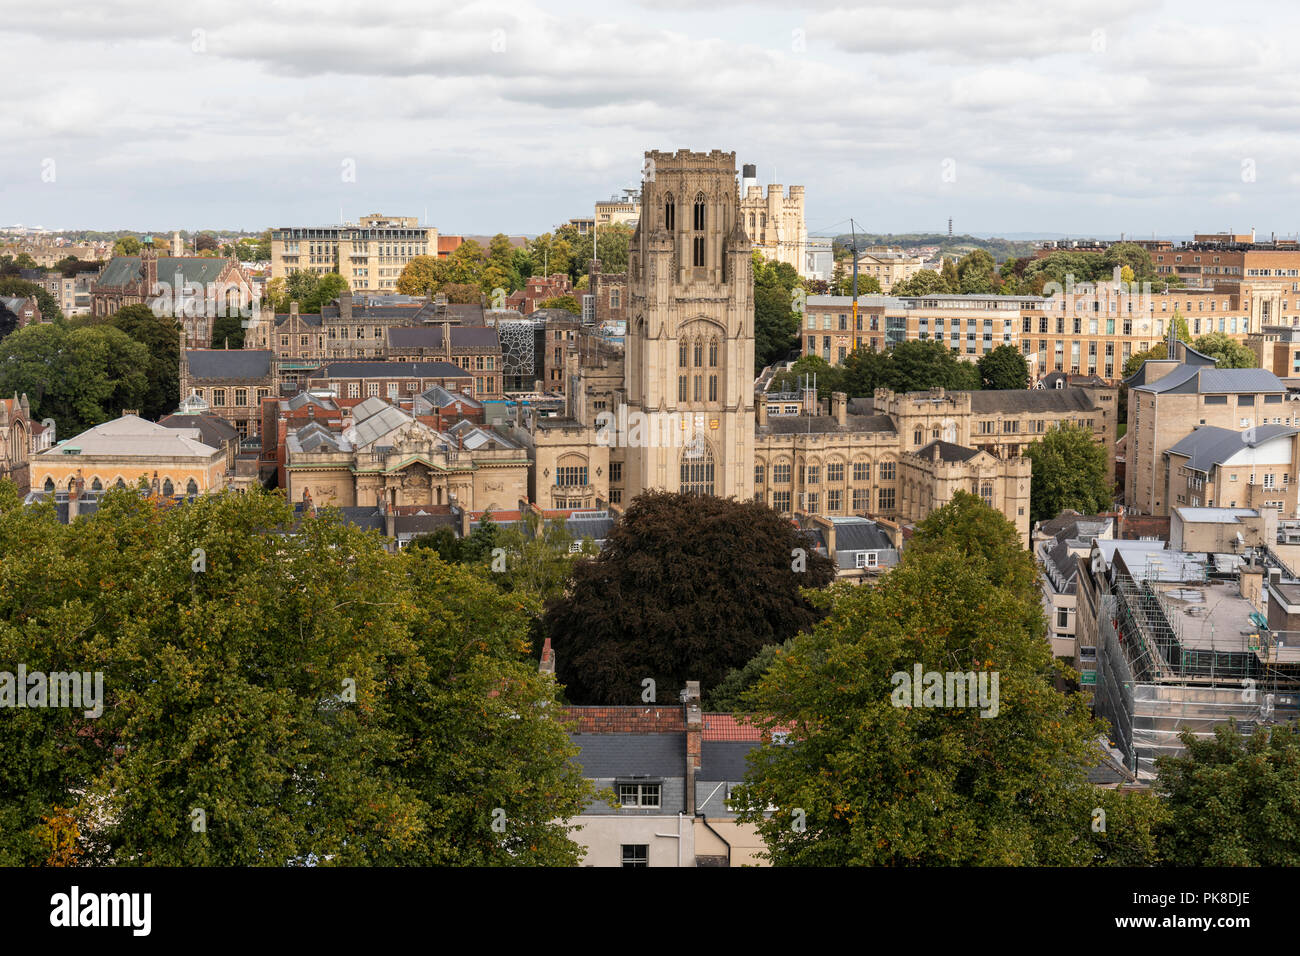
(866, 777)
(686, 588)
(308, 698)
(1003, 367)
(1069, 471)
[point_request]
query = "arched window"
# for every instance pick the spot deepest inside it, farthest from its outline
(681, 354)
(49, 484)
(986, 493)
(713, 353)
(120, 483)
(192, 488)
(699, 212)
(168, 488)
(96, 485)
(699, 353)
(697, 467)
(713, 388)
(72, 483)
(670, 210)
(916, 436)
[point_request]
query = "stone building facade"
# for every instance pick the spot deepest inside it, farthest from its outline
(229, 383)
(774, 223)
(387, 458)
(690, 337)
(16, 441)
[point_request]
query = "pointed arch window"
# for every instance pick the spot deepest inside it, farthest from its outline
(120, 483)
(699, 353)
(670, 213)
(96, 485)
(192, 488)
(49, 484)
(713, 353)
(697, 467)
(168, 489)
(682, 350)
(699, 212)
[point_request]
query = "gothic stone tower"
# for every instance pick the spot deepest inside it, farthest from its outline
(690, 337)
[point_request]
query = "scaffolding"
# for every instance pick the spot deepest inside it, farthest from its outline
(1160, 673)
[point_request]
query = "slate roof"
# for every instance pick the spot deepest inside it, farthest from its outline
(390, 370)
(1210, 445)
(442, 398)
(1069, 519)
(821, 424)
(229, 363)
(132, 437)
(1017, 400)
(619, 754)
(308, 318)
(212, 430)
(725, 759)
(860, 535)
(430, 337)
(946, 451)
(127, 270)
(1203, 379)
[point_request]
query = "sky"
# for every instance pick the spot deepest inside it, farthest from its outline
(1009, 116)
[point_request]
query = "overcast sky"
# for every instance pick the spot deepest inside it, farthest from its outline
(1010, 116)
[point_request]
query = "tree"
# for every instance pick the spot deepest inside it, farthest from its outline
(160, 335)
(13, 286)
(950, 277)
(228, 330)
(842, 282)
(127, 246)
(829, 378)
(612, 243)
(974, 272)
(314, 698)
(872, 779)
(459, 292)
(79, 377)
(422, 275)
(309, 290)
(776, 323)
(1229, 352)
(1069, 471)
(1004, 367)
(920, 365)
(1233, 800)
(205, 242)
(566, 302)
(731, 695)
(686, 588)
(922, 282)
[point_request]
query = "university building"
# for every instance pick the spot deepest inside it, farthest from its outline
(369, 254)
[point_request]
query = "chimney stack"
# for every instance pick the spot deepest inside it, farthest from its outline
(694, 739)
(547, 665)
(762, 409)
(840, 407)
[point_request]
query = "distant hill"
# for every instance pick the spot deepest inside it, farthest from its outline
(1000, 249)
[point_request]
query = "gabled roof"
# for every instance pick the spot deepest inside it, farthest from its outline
(947, 451)
(1210, 445)
(248, 364)
(132, 437)
(1016, 400)
(441, 397)
(1205, 379)
(126, 270)
(860, 534)
(212, 429)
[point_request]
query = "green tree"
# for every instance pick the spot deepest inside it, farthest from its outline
(974, 272)
(228, 330)
(950, 276)
(13, 286)
(1233, 800)
(830, 378)
(79, 377)
(1229, 352)
(421, 275)
(776, 323)
(161, 336)
(127, 246)
(612, 244)
(922, 282)
(566, 302)
(1069, 471)
(1004, 367)
(317, 698)
(919, 365)
(872, 780)
(686, 588)
(731, 695)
